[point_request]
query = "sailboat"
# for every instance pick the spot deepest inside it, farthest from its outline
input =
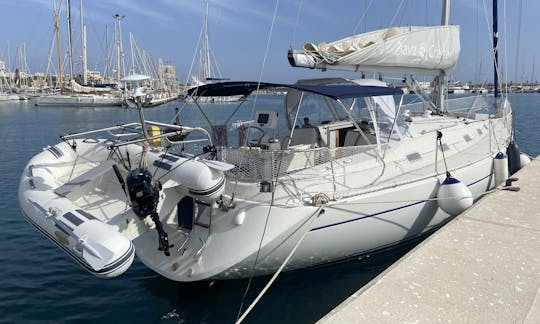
(163, 87)
(74, 94)
(207, 70)
(7, 96)
(343, 169)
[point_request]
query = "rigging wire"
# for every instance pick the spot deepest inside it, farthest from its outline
(271, 281)
(396, 14)
(296, 23)
(518, 40)
(490, 33)
(194, 56)
(263, 64)
(403, 14)
(362, 18)
(277, 174)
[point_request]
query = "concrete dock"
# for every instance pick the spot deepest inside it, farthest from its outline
(483, 267)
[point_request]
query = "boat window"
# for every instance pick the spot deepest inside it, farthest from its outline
(317, 109)
(379, 113)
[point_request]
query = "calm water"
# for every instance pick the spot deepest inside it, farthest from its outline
(41, 284)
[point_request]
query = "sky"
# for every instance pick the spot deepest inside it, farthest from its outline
(250, 38)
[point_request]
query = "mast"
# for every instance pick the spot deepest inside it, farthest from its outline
(206, 48)
(83, 47)
(58, 46)
(8, 65)
(120, 67)
(532, 71)
(445, 19)
(495, 51)
(70, 46)
(131, 41)
(107, 51)
(440, 79)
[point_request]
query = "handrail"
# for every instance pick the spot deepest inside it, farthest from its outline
(176, 130)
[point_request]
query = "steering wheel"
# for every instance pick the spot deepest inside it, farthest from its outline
(262, 131)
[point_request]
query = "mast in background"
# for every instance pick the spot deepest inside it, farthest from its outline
(70, 46)
(60, 76)
(120, 66)
(83, 47)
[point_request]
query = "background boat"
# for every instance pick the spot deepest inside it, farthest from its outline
(207, 70)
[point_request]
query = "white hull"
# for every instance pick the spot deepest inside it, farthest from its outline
(371, 206)
(78, 100)
(9, 97)
(151, 100)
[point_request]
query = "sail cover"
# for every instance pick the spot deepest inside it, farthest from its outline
(407, 50)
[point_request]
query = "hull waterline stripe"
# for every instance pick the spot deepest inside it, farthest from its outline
(386, 211)
(367, 216)
(484, 178)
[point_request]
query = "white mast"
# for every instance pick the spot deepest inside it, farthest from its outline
(206, 48)
(108, 56)
(120, 66)
(132, 50)
(83, 46)
(59, 78)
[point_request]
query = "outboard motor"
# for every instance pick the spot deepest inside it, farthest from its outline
(144, 196)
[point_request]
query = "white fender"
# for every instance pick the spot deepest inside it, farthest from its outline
(524, 159)
(240, 217)
(453, 196)
(500, 168)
